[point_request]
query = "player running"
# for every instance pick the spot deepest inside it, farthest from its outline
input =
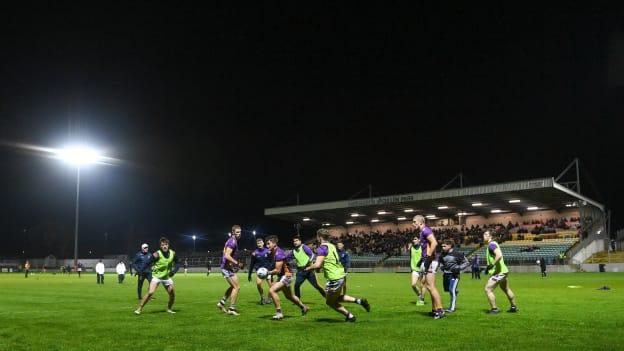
(327, 259)
(496, 265)
(452, 264)
(260, 258)
(229, 266)
(429, 265)
(284, 272)
(418, 278)
(165, 266)
(304, 256)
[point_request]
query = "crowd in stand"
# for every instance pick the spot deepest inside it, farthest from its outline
(397, 243)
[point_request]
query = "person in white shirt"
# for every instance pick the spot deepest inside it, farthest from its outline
(121, 271)
(99, 269)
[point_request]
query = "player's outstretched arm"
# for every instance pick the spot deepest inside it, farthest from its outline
(317, 264)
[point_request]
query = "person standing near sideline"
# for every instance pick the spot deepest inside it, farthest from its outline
(345, 260)
(99, 270)
(121, 272)
(79, 269)
(26, 268)
(476, 272)
(143, 267)
(542, 263)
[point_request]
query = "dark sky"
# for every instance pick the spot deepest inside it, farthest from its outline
(222, 111)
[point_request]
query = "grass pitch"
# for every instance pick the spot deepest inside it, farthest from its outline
(55, 312)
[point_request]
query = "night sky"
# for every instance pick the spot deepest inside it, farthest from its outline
(220, 112)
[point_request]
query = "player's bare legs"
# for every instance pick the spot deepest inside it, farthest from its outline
(148, 296)
(436, 300)
(489, 292)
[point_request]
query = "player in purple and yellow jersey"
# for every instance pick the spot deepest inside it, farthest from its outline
(429, 265)
(285, 274)
(229, 266)
(328, 259)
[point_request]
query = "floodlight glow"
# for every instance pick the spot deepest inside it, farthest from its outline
(442, 207)
(326, 224)
(532, 208)
(194, 237)
(462, 213)
(382, 212)
(402, 218)
(496, 211)
(305, 219)
(254, 232)
(514, 201)
(374, 220)
(477, 204)
(355, 215)
(408, 210)
(569, 205)
(349, 222)
(430, 216)
(79, 155)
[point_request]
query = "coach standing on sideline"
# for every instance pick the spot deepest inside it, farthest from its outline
(142, 264)
(100, 270)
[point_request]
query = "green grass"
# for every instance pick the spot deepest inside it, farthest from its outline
(54, 312)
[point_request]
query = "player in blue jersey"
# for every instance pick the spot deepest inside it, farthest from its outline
(260, 258)
(229, 266)
(284, 271)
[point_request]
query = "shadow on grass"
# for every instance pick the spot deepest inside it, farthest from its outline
(330, 320)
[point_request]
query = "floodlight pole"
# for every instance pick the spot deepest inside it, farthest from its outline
(77, 216)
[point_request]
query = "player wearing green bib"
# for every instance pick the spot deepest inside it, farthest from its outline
(417, 277)
(327, 258)
(165, 266)
(496, 265)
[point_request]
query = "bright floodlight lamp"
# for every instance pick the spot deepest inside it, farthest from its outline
(79, 155)
(194, 237)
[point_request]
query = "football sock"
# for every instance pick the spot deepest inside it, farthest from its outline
(358, 301)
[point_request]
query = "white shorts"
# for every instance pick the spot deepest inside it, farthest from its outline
(227, 273)
(432, 268)
(416, 274)
(498, 277)
(166, 282)
(286, 280)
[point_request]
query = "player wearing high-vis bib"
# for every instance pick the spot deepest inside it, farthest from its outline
(304, 256)
(500, 267)
(417, 276)
(327, 258)
(164, 267)
(496, 264)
